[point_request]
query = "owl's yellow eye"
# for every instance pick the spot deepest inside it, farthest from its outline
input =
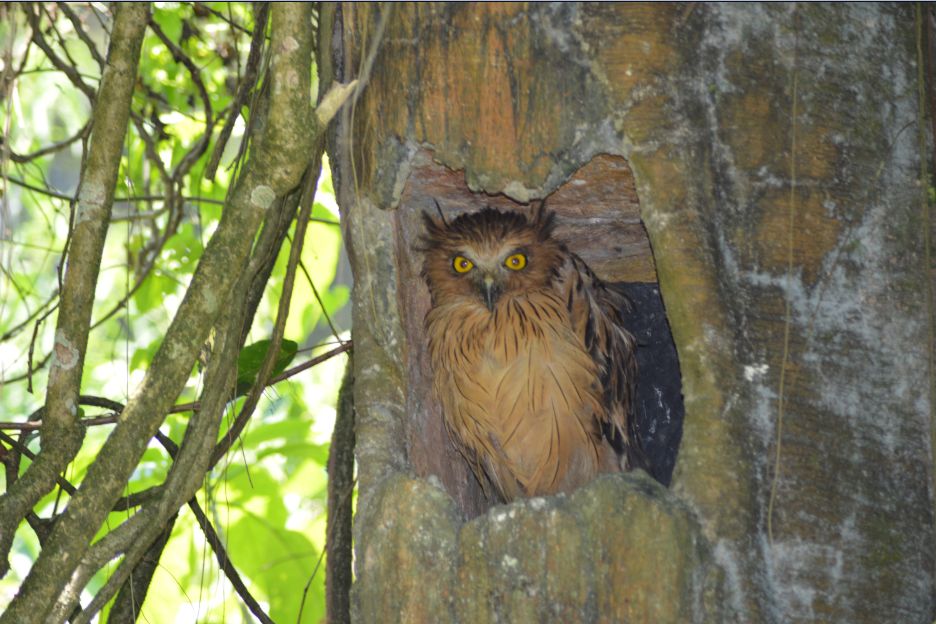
(515, 262)
(461, 264)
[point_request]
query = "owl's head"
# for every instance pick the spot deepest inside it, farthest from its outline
(490, 254)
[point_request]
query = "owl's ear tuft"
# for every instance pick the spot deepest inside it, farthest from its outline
(543, 220)
(434, 231)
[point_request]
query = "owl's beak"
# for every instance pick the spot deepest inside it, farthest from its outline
(490, 291)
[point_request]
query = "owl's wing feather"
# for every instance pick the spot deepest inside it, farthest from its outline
(596, 312)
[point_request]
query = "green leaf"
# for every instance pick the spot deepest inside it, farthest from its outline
(273, 558)
(251, 359)
(152, 293)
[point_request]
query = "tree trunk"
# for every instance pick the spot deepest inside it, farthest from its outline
(774, 159)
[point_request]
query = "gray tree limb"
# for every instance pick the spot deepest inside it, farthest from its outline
(61, 432)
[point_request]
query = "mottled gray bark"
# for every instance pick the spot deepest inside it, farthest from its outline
(776, 152)
(338, 572)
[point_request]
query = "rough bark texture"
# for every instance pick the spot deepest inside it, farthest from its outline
(774, 154)
(338, 573)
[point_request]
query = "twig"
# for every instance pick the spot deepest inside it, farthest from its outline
(224, 561)
(118, 198)
(347, 346)
(50, 149)
(29, 319)
(32, 347)
(318, 299)
(70, 72)
(247, 83)
(224, 18)
(282, 312)
(82, 33)
(176, 409)
(188, 161)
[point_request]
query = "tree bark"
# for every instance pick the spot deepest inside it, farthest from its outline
(775, 157)
(278, 159)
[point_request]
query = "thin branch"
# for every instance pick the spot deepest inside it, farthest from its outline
(120, 198)
(177, 409)
(73, 75)
(279, 325)
(224, 562)
(318, 299)
(224, 18)
(29, 319)
(28, 374)
(247, 84)
(188, 161)
(50, 149)
(347, 346)
(81, 32)
(32, 348)
(53, 27)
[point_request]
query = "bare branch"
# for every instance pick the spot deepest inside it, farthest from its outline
(247, 83)
(69, 70)
(126, 607)
(187, 161)
(286, 374)
(49, 149)
(338, 540)
(81, 32)
(195, 406)
(29, 319)
(118, 198)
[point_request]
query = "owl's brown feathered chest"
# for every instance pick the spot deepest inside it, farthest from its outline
(520, 394)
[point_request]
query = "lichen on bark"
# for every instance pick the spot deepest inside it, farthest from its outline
(774, 153)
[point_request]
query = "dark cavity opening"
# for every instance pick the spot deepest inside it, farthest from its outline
(598, 215)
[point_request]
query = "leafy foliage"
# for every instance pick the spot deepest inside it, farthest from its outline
(266, 498)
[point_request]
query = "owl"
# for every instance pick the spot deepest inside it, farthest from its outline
(532, 367)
